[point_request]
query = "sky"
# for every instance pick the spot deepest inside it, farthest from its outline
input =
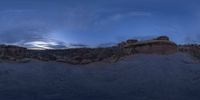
(95, 23)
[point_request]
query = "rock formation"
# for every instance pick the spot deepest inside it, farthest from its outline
(12, 52)
(162, 38)
(160, 45)
(192, 49)
(131, 41)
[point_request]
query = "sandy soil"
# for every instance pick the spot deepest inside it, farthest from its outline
(138, 77)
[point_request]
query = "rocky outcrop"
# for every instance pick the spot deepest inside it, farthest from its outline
(12, 52)
(162, 38)
(192, 49)
(131, 41)
(160, 45)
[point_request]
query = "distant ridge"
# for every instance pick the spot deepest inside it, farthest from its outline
(160, 45)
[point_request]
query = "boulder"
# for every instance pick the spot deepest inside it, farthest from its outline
(25, 60)
(162, 38)
(131, 41)
(61, 60)
(86, 61)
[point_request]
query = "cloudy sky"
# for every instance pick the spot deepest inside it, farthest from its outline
(71, 23)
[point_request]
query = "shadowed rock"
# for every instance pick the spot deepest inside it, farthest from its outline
(162, 38)
(10, 51)
(159, 45)
(192, 49)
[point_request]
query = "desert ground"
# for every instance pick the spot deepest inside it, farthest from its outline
(136, 77)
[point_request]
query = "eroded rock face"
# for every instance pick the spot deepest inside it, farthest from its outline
(160, 45)
(192, 49)
(127, 42)
(159, 48)
(9, 51)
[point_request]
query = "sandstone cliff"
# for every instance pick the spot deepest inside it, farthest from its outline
(159, 45)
